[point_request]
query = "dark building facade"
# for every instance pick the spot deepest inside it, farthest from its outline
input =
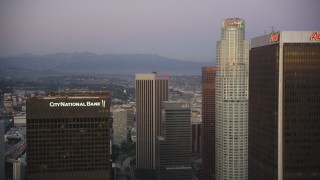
(173, 147)
(2, 152)
(68, 136)
(208, 120)
(195, 136)
(284, 101)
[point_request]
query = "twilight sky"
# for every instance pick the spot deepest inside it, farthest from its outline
(183, 29)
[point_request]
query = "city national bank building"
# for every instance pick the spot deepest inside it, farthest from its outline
(68, 136)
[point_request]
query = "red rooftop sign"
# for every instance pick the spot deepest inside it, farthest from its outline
(315, 36)
(274, 38)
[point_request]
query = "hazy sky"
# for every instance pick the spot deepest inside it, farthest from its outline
(183, 29)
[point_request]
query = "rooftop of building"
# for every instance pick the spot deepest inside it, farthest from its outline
(175, 105)
(285, 37)
(67, 97)
(233, 23)
(75, 95)
(79, 93)
(178, 167)
(151, 76)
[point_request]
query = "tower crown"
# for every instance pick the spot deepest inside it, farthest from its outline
(233, 23)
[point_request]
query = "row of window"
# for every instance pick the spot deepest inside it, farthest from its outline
(70, 120)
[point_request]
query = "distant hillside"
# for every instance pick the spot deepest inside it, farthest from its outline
(27, 65)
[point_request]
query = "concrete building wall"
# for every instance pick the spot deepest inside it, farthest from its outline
(120, 130)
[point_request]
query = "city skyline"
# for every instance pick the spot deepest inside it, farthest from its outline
(185, 30)
(75, 110)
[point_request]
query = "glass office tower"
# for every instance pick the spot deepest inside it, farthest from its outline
(173, 145)
(68, 136)
(284, 116)
(208, 120)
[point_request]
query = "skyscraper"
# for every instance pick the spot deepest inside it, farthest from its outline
(19, 167)
(130, 114)
(67, 136)
(232, 101)
(284, 116)
(208, 120)
(151, 91)
(120, 130)
(196, 134)
(2, 143)
(173, 146)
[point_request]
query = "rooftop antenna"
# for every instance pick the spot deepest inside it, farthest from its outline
(272, 27)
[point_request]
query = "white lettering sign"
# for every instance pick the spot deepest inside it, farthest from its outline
(78, 104)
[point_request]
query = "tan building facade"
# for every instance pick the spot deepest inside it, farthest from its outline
(151, 91)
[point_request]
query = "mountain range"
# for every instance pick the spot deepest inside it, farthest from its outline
(28, 65)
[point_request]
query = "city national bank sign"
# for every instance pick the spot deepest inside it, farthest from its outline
(78, 104)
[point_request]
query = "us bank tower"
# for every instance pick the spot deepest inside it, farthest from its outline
(232, 101)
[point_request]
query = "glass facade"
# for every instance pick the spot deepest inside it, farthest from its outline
(301, 115)
(67, 142)
(2, 145)
(263, 108)
(301, 110)
(232, 102)
(208, 120)
(173, 147)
